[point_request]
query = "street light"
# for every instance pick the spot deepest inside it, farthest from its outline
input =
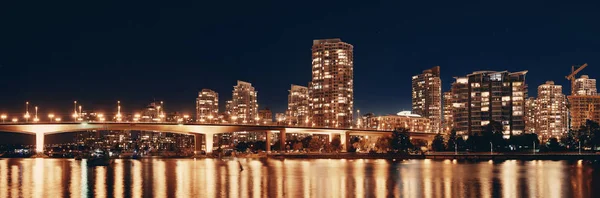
(119, 111)
(3, 116)
(36, 119)
(234, 119)
(101, 117)
(15, 119)
(491, 148)
(51, 116)
(210, 118)
(57, 119)
(80, 114)
(26, 116)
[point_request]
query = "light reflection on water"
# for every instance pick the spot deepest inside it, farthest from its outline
(297, 178)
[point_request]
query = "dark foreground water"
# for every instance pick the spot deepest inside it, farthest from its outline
(297, 178)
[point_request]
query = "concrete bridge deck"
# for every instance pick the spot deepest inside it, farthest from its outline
(199, 130)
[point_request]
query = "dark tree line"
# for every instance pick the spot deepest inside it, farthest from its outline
(492, 137)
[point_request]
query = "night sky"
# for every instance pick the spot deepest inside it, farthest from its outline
(52, 53)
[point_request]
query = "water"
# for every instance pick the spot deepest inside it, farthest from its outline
(297, 178)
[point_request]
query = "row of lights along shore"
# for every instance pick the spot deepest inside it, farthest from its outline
(78, 115)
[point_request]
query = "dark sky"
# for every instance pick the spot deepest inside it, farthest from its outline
(52, 53)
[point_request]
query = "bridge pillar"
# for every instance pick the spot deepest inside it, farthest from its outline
(345, 139)
(268, 141)
(197, 143)
(39, 142)
(282, 139)
(208, 139)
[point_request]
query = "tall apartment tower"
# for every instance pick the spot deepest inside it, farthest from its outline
(243, 106)
(297, 111)
(331, 90)
(551, 113)
(585, 104)
(448, 122)
(427, 97)
(530, 113)
(584, 86)
(484, 96)
(207, 106)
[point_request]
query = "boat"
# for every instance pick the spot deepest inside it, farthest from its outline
(99, 158)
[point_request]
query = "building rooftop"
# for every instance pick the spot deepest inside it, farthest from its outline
(407, 113)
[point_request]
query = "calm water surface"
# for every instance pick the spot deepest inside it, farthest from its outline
(297, 178)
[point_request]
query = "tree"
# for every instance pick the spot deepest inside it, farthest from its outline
(336, 144)
(315, 144)
(306, 141)
(259, 145)
(438, 143)
(490, 136)
(400, 140)
(383, 144)
(241, 146)
(461, 144)
(553, 144)
(524, 140)
(360, 145)
(450, 144)
(569, 140)
(298, 146)
(352, 144)
(417, 144)
(275, 146)
(589, 134)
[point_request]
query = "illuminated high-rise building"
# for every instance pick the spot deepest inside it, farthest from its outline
(485, 96)
(297, 111)
(551, 114)
(584, 86)
(427, 96)
(404, 119)
(207, 106)
(243, 107)
(530, 113)
(448, 122)
(331, 90)
(585, 104)
(265, 116)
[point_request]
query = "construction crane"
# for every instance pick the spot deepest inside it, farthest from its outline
(571, 76)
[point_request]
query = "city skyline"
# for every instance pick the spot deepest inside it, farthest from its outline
(140, 56)
(299, 99)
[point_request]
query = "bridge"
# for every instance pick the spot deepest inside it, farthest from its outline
(199, 130)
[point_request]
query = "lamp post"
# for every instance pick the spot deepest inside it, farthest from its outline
(51, 117)
(186, 117)
(26, 112)
(36, 119)
(534, 147)
(75, 115)
(80, 113)
(15, 120)
(57, 119)
(3, 116)
(455, 148)
(234, 119)
(119, 111)
(136, 117)
(210, 118)
(579, 147)
(491, 148)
